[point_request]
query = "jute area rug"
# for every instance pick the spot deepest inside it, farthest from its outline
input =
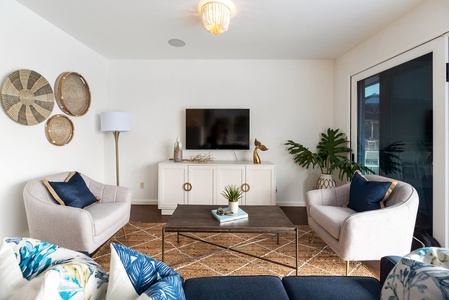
(192, 258)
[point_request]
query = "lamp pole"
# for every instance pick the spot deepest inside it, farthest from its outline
(117, 176)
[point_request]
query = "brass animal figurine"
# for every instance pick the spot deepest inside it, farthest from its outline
(256, 158)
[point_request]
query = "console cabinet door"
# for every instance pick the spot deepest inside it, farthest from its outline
(171, 186)
(202, 179)
(261, 181)
(229, 175)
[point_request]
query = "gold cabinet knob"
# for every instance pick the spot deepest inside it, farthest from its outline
(245, 187)
(187, 187)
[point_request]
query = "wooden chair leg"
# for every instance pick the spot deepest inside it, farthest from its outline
(124, 231)
(347, 267)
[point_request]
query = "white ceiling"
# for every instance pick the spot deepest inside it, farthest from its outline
(259, 29)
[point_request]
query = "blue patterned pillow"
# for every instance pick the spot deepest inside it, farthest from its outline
(422, 274)
(48, 271)
(72, 192)
(134, 275)
(367, 195)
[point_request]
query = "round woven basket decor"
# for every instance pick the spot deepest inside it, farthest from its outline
(59, 130)
(72, 94)
(27, 97)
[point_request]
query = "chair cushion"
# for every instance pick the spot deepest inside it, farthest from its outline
(421, 274)
(331, 287)
(367, 195)
(106, 213)
(261, 287)
(72, 192)
(330, 217)
(34, 269)
(134, 275)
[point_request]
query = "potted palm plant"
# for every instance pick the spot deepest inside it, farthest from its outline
(233, 193)
(333, 154)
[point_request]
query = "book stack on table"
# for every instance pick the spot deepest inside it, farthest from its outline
(241, 214)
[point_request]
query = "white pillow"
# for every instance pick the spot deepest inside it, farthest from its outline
(421, 274)
(11, 278)
(52, 272)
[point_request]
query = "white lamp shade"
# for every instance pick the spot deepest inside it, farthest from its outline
(115, 121)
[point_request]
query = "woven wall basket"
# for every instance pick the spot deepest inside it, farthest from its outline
(72, 94)
(27, 97)
(59, 130)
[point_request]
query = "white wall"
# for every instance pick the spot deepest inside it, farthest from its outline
(425, 22)
(29, 42)
(288, 99)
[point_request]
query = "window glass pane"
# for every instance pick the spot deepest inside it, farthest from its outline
(395, 128)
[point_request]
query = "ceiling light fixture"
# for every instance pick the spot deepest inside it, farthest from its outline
(215, 17)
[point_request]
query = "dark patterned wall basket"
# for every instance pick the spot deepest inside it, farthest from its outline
(27, 97)
(59, 130)
(72, 94)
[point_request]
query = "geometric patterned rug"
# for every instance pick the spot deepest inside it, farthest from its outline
(191, 258)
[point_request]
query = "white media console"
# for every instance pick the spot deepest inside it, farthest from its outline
(203, 183)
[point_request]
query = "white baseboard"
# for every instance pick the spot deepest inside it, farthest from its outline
(288, 203)
(144, 201)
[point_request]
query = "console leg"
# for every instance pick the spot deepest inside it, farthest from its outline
(347, 267)
(124, 232)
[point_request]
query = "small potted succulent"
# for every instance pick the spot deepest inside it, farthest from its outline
(233, 193)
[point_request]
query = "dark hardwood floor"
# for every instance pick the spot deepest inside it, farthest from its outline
(298, 216)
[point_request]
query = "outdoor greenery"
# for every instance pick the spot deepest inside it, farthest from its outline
(332, 154)
(232, 192)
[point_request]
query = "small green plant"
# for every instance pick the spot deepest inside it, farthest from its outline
(232, 192)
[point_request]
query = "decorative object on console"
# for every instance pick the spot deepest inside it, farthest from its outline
(233, 194)
(259, 146)
(59, 130)
(27, 97)
(215, 16)
(177, 152)
(333, 153)
(72, 94)
(116, 122)
(202, 158)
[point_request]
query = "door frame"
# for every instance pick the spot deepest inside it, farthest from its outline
(439, 47)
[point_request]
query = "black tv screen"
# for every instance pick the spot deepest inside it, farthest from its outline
(217, 129)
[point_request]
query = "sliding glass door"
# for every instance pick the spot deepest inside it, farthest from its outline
(395, 128)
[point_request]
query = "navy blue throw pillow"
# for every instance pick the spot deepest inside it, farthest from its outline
(367, 195)
(73, 192)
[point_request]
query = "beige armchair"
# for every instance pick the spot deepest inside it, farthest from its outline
(369, 235)
(74, 228)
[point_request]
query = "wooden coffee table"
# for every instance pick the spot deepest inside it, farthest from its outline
(261, 219)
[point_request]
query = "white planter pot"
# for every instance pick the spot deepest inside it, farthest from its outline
(233, 206)
(326, 182)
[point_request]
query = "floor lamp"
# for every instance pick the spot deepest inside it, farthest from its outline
(115, 122)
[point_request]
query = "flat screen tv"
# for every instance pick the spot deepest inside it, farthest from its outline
(217, 129)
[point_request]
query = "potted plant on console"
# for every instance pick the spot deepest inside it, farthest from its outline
(333, 153)
(233, 193)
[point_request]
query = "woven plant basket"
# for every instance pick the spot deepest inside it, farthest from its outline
(72, 94)
(59, 130)
(27, 97)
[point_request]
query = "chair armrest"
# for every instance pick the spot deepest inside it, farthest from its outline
(387, 263)
(329, 197)
(388, 231)
(44, 216)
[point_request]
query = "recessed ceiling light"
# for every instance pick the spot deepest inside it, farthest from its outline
(176, 43)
